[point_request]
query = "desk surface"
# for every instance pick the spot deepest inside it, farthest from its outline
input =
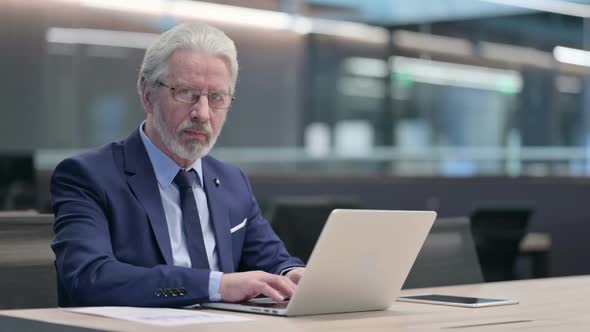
(555, 304)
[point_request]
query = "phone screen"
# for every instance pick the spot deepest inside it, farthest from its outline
(452, 299)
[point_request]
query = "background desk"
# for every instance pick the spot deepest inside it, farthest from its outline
(556, 304)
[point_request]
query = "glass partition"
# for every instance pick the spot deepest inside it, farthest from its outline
(505, 95)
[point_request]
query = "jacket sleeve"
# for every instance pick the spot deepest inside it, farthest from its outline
(89, 274)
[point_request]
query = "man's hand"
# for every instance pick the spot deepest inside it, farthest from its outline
(236, 287)
(295, 274)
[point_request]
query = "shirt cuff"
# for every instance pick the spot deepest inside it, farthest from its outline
(214, 285)
(285, 271)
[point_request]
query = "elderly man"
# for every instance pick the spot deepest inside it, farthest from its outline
(152, 220)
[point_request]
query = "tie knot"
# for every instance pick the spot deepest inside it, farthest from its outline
(185, 179)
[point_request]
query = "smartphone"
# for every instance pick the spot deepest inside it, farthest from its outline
(459, 301)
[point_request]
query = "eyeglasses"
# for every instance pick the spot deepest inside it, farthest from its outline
(188, 95)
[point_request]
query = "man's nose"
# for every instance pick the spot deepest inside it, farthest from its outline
(200, 109)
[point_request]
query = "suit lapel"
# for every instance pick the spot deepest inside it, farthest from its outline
(219, 215)
(143, 183)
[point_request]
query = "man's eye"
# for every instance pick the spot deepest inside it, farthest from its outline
(185, 93)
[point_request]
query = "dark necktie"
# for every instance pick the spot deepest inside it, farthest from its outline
(190, 219)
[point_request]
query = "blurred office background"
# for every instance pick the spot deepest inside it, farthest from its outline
(451, 105)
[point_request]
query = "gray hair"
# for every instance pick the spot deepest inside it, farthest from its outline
(197, 36)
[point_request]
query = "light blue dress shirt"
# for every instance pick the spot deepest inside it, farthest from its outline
(166, 169)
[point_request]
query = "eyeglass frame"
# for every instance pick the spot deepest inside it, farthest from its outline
(173, 88)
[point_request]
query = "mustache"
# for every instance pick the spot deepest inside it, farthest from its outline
(202, 126)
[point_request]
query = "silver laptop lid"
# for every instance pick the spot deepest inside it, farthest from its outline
(360, 261)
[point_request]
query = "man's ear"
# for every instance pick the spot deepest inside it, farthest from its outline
(147, 97)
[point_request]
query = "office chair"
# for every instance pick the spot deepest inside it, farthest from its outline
(27, 274)
(298, 220)
(497, 232)
(448, 256)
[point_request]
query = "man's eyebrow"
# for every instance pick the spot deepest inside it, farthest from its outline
(221, 90)
(187, 85)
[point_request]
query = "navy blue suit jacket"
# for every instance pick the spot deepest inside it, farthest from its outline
(111, 238)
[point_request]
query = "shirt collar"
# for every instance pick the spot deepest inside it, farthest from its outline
(164, 167)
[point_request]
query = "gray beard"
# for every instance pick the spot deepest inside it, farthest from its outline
(192, 150)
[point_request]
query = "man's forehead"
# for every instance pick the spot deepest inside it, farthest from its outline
(198, 61)
(186, 57)
(185, 66)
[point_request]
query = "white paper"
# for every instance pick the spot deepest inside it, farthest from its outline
(158, 316)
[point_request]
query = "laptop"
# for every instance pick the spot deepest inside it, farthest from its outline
(359, 263)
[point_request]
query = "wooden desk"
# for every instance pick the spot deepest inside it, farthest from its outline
(555, 304)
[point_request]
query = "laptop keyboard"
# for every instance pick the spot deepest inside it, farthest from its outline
(267, 303)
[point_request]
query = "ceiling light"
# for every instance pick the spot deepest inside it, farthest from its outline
(572, 56)
(100, 37)
(516, 54)
(257, 18)
(432, 43)
(453, 74)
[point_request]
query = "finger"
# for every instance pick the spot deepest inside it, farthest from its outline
(283, 285)
(295, 275)
(287, 284)
(269, 291)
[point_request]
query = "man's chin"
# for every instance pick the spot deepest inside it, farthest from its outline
(196, 152)
(194, 148)
(196, 143)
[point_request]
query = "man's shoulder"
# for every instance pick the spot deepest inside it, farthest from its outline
(108, 155)
(98, 158)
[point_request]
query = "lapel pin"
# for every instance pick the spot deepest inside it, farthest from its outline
(217, 182)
